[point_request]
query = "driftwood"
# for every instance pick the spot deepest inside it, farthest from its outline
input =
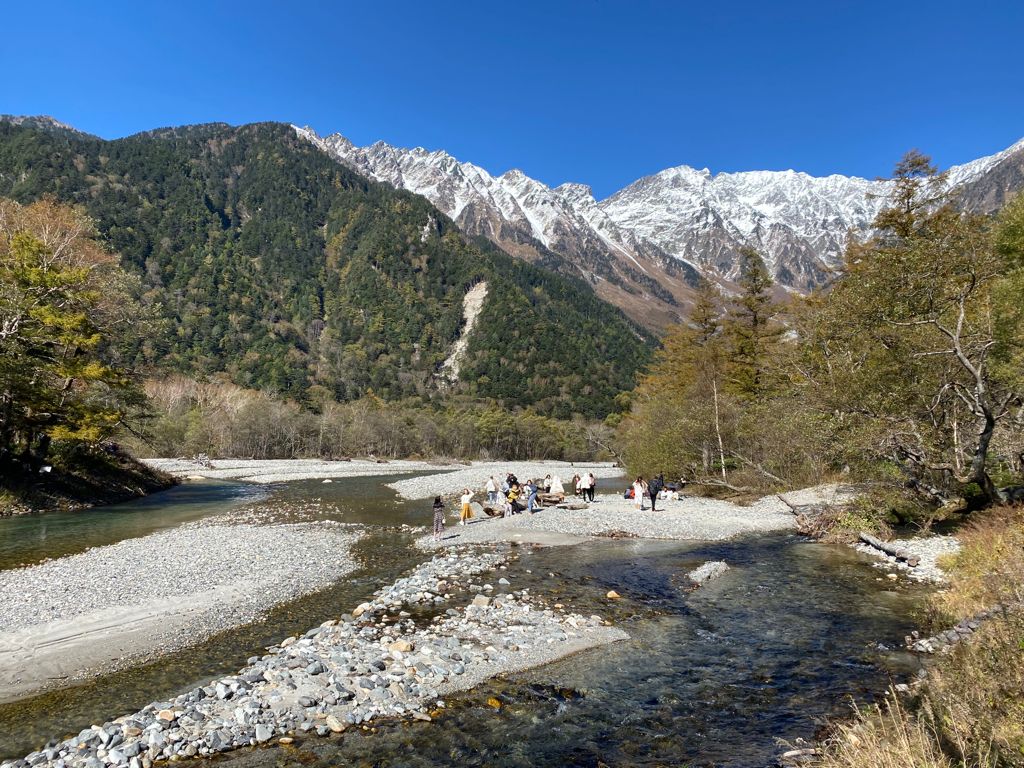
(900, 554)
(550, 499)
(798, 756)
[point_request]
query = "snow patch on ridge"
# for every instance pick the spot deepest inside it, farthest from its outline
(472, 303)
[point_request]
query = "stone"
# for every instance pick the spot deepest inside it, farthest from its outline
(613, 595)
(361, 609)
(503, 581)
(708, 571)
(166, 715)
(481, 601)
(316, 668)
(334, 724)
(402, 646)
(263, 733)
(286, 740)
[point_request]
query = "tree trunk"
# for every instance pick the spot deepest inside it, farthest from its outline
(979, 473)
(718, 428)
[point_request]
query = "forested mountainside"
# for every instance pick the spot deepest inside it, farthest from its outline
(262, 257)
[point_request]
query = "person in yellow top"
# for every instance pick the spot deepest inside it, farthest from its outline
(466, 512)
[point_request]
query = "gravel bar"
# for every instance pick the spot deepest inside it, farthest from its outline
(689, 518)
(928, 548)
(66, 618)
(344, 673)
(475, 476)
(283, 470)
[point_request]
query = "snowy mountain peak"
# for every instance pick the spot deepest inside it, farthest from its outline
(654, 238)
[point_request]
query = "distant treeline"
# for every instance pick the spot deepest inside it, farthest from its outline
(221, 419)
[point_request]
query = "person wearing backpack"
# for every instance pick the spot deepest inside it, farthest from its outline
(657, 483)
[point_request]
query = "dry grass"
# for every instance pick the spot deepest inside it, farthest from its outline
(969, 711)
(989, 569)
(884, 736)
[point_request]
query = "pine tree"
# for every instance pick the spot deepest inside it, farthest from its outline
(751, 328)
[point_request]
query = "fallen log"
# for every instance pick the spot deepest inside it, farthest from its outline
(550, 499)
(900, 554)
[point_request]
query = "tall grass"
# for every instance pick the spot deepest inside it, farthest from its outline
(969, 710)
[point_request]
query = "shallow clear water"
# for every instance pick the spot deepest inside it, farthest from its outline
(28, 539)
(711, 677)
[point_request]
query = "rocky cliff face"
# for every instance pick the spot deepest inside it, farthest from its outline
(646, 247)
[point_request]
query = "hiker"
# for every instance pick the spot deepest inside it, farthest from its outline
(591, 485)
(577, 487)
(657, 483)
(513, 496)
(584, 486)
(511, 480)
(438, 518)
(546, 484)
(531, 495)
(639, 491)
(492, 490)
(466, 513)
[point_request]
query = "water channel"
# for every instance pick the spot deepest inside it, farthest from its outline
(720, 676)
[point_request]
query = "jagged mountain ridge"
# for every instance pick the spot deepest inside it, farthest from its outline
(645, 247)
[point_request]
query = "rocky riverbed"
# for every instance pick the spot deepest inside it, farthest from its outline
(688, 518)
(928, 548)
(368, 665)
(475, 476)
(116, 604)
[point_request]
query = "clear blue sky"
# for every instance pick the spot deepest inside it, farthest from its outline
(592, 91)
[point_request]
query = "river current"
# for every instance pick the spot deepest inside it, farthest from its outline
(720, 676)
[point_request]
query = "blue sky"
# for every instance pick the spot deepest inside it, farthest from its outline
(591, 91)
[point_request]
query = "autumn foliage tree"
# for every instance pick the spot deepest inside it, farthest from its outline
(918, 347)
(63, 302)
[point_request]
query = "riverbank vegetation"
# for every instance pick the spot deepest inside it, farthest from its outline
(968, 712)
(221, 419)
(906, 375)
(65, 307)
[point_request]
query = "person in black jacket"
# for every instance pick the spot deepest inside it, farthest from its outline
(654, 489)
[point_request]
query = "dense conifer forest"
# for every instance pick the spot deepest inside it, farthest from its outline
(259, 257)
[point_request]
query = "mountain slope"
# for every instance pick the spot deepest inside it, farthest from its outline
(563, 228)
(269, 261)
(656, 237)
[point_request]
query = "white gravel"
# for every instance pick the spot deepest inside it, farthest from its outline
(475, 476)
(693, 518)
(283, 470)
(65, 617)
(928, 548)
(343, 674)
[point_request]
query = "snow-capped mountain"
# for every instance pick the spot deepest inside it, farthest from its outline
(645, 247)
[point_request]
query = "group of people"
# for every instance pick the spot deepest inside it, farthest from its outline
(513, 497)
(641, 489)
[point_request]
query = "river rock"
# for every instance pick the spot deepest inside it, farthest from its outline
(708, 571)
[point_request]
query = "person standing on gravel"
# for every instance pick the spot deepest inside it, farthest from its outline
(654, 489)
(466, 513)
(584, 485)
(438, 518)
(639, 491)
(531, 495)
(591, 485)
(492, 490)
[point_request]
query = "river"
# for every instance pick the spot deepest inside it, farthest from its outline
(719, 676)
